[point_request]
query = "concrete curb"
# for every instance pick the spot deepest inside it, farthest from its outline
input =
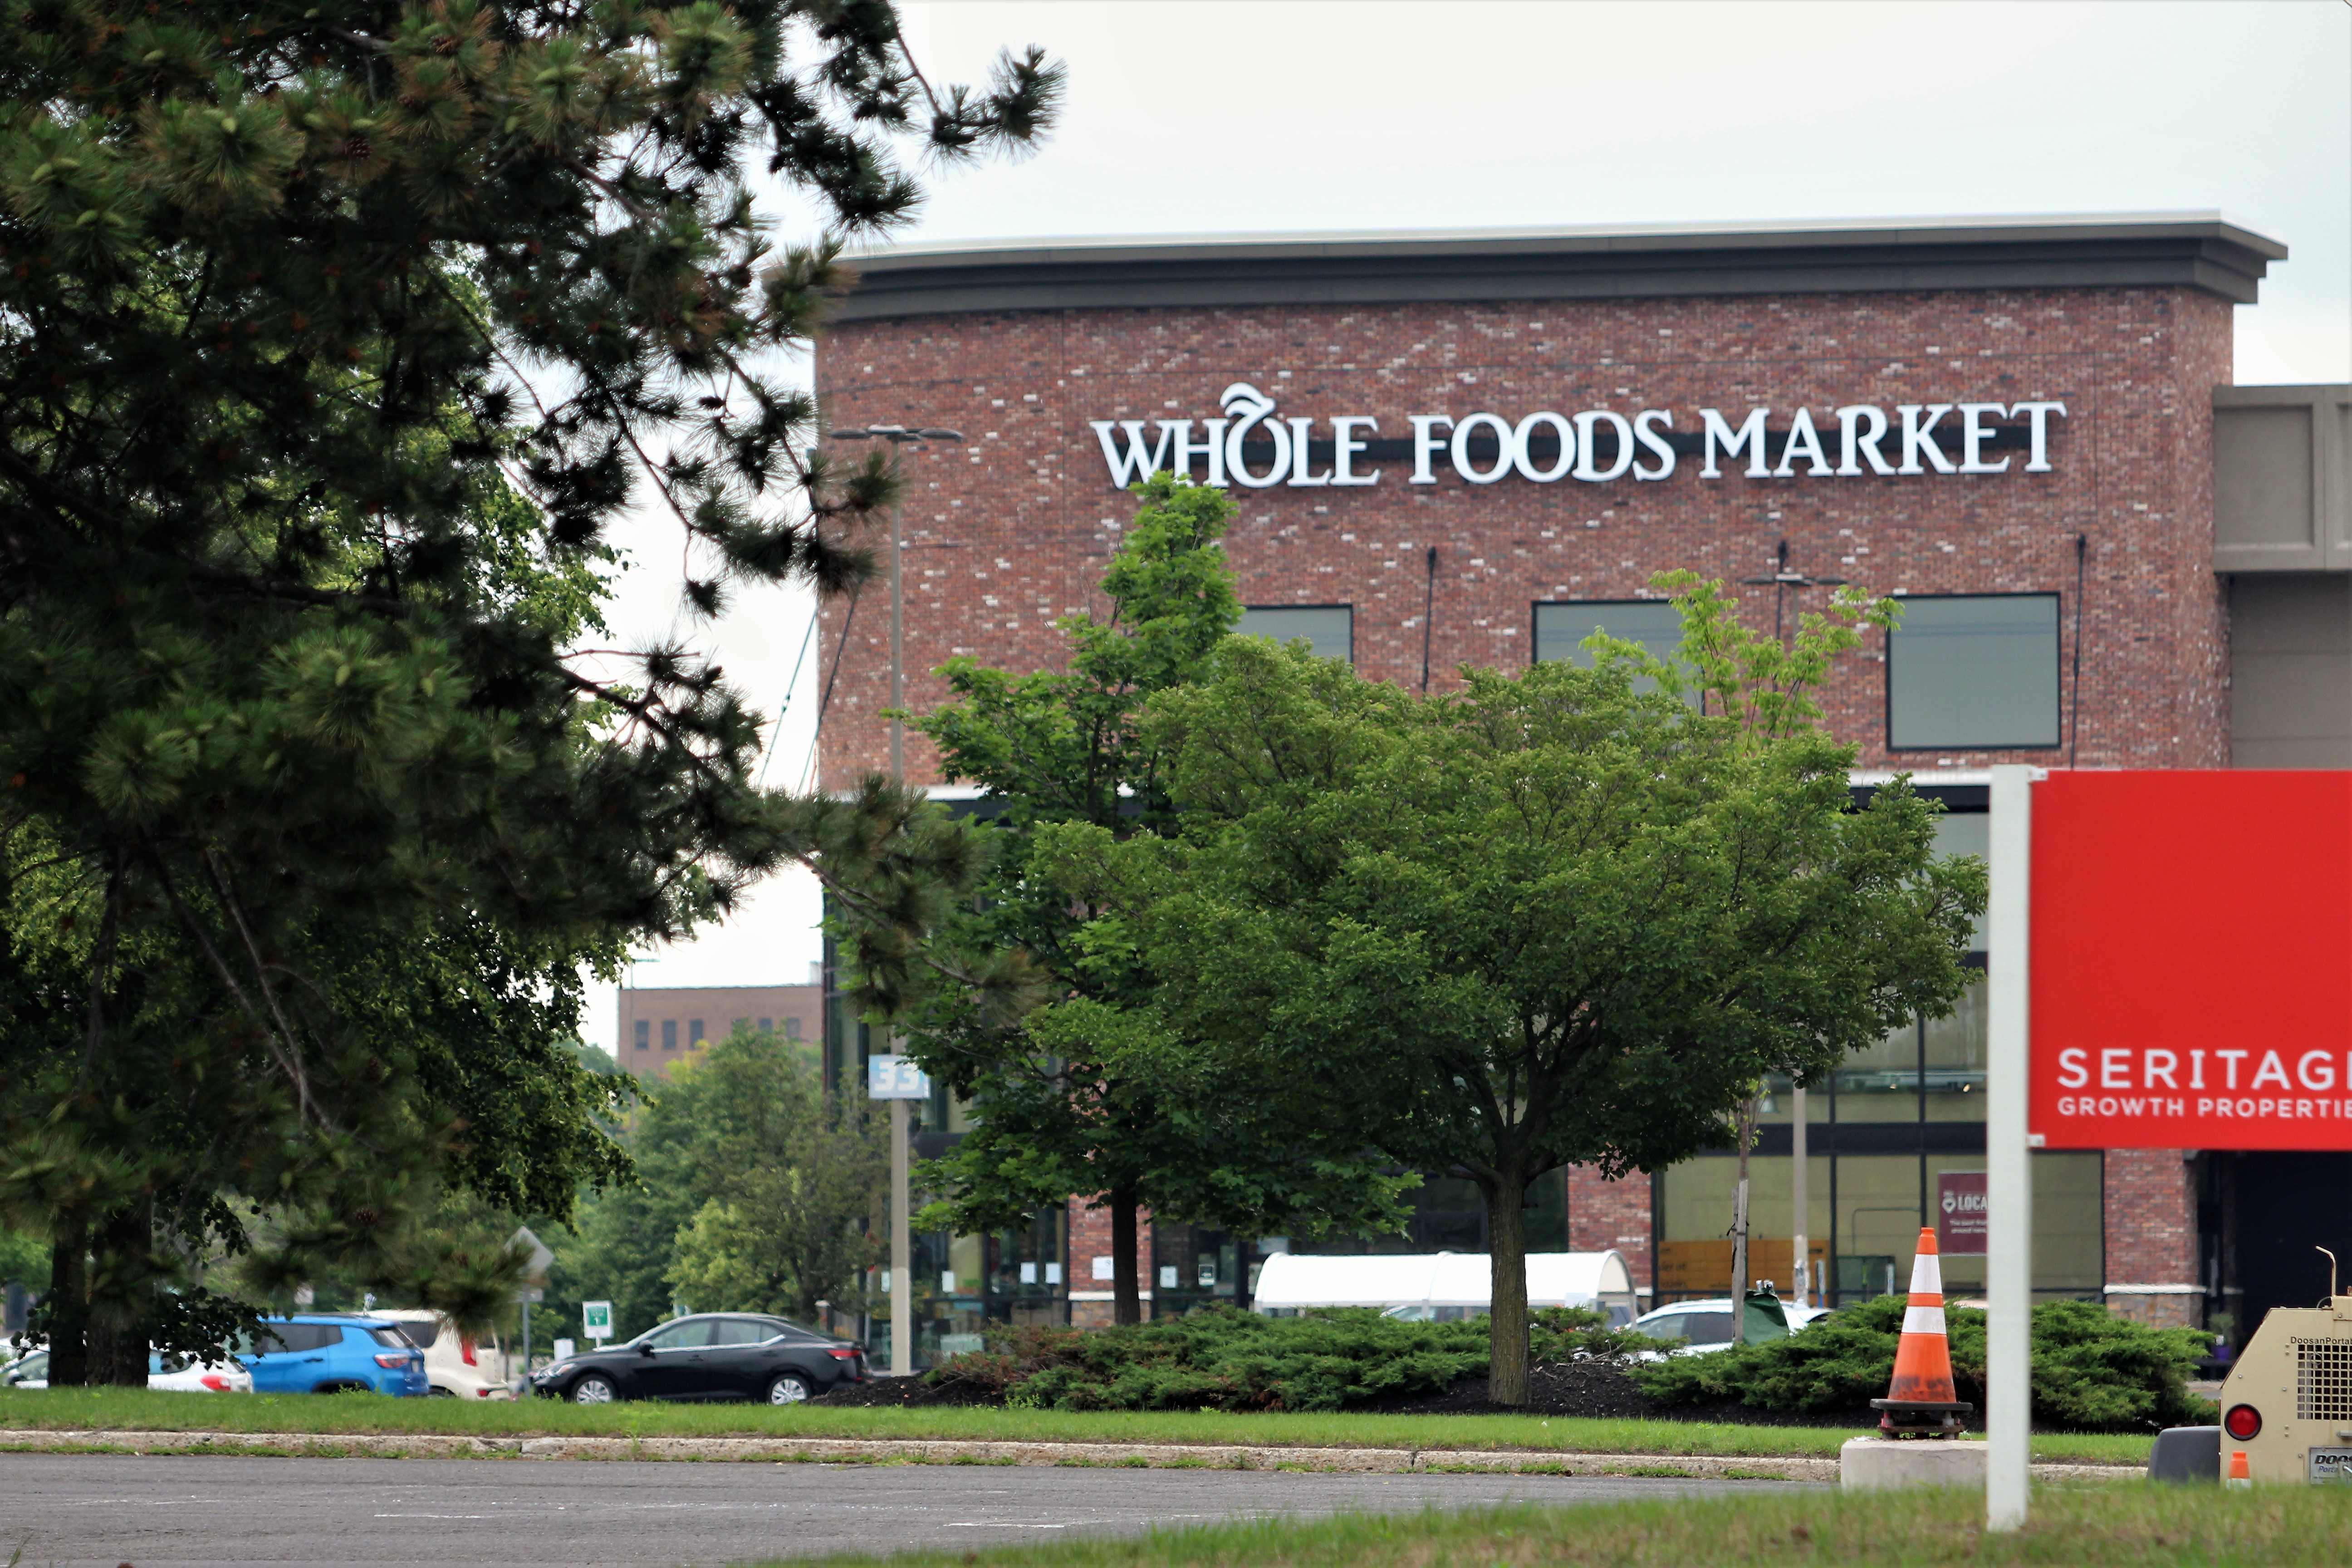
(917, 1451)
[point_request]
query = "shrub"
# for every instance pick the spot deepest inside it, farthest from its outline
(2092, 1370)
(1221, 1358)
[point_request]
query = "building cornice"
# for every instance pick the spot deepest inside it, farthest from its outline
(2196, 250)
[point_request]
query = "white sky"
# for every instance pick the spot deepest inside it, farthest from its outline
(1320, 114)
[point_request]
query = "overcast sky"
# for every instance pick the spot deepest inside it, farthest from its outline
(1217, 118)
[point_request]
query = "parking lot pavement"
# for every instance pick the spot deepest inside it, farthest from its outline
(180, 1511)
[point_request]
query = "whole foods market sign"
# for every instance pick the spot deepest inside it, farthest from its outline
(1255, 447)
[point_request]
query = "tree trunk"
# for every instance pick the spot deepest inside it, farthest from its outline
(1507, 1239)
(69, 1304)
(121, 1294)
(1127, 1289)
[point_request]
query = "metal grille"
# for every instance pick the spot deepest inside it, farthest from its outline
(2322, 1379)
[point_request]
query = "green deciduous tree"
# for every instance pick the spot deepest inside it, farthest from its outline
(1548, 918)
(752, 1193)
(330, 338)
(1053, 1114)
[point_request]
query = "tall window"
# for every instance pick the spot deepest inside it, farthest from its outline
(669, 1034)
(1329, 630)
(644, 1032)
(1973, 672)
(693, 1033)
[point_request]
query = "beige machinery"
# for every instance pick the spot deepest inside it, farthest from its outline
(2287, 1404)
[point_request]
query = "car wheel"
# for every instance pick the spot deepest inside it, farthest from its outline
(789, 1388)
(593, 1390)
(439, 1392)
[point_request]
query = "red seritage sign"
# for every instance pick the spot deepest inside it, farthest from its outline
(2191, 969)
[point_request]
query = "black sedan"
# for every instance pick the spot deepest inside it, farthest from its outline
(710, 1355)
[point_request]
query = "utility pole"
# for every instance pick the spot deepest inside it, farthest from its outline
(902, 1238)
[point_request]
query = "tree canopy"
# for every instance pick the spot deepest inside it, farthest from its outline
(1051, 1113)
(1549, 918)
(331, 338)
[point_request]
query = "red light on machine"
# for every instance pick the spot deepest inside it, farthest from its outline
(2242, 1423)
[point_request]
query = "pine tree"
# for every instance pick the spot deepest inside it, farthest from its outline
(331, 338)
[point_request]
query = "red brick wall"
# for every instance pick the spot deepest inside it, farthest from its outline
(2151, 1226)
(1090, 1240)
(1604, 1213)
(1011, 528)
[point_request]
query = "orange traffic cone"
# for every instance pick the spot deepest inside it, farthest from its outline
(2239, 1478)
(1920, 1403)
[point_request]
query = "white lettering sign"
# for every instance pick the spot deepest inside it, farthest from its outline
(1258, 447)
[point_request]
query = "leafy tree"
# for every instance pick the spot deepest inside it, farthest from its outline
(791, 1179)
(1548, 918)
(752, 1193)
(330, 337)
(1051, 1113)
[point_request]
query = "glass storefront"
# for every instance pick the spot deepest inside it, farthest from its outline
(1891, 1121)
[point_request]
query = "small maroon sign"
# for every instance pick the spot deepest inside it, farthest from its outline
(1960, 1214)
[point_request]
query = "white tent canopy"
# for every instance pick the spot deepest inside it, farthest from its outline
(1457, 1282)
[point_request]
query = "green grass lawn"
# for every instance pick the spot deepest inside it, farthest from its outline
(2082, 1528)
(137, 1409)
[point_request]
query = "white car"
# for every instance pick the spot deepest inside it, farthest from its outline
(30, 1370)
(185, 1374)
(170, 1372)
(1706, 1323)
(458, 1366)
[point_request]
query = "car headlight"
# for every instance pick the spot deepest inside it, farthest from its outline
(558, 1369)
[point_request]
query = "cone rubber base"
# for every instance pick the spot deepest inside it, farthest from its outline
(1921, 1417)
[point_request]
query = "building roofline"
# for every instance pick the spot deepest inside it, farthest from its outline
(2194, 249)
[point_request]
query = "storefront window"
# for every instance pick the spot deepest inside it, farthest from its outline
(1973, 671)
(1329, 630)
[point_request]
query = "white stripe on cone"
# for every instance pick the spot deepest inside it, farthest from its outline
(1926, 1275)
(1923, 1320)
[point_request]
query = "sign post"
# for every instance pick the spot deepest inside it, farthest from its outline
(537, 1258)
(2009, 1170)
(897, 1079)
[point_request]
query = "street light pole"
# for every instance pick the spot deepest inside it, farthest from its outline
(902, 1236)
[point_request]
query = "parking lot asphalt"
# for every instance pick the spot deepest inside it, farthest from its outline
(181, 1512)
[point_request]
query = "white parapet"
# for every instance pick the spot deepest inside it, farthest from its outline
(1883, 1464)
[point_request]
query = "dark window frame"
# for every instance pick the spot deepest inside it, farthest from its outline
(2058, 679)
(1347, 606)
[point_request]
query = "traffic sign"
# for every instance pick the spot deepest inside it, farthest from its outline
(537, 1255)
(596, 1319)
(896, 1078)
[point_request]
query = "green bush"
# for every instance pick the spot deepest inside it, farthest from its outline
(1221, 1358)
(2092, 1370)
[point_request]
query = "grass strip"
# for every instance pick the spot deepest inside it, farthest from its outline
(143, 1410)
(2136, 1524)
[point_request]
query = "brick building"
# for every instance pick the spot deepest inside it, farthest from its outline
(1474, 448)
(660, 1026)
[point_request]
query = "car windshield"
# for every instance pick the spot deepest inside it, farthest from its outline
(421, 1332)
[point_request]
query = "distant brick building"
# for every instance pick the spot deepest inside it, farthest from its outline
(1455, 449)
(662, 1026)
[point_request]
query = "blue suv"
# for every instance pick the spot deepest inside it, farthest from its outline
(323, 1354)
